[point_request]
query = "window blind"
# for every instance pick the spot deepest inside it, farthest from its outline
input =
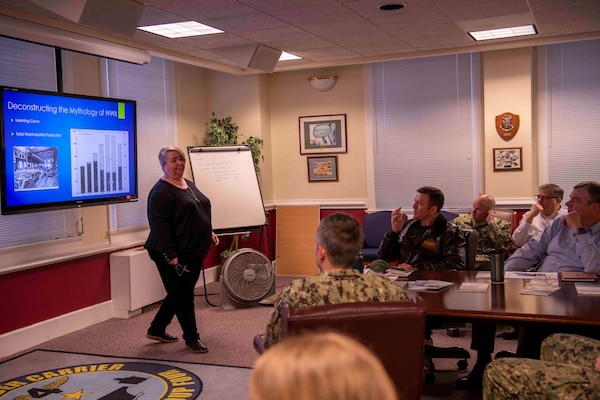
(32, 66)
(151, 87)
(573, 71)
(423, 133)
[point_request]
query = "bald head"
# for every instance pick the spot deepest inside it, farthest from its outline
(481, 206)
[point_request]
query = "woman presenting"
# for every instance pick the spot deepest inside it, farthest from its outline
(180, 237)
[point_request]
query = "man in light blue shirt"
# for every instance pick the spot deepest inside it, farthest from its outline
(570, 243)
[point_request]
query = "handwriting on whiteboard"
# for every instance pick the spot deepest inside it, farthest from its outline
(221, 171)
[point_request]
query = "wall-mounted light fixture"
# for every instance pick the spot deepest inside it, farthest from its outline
(323, 82)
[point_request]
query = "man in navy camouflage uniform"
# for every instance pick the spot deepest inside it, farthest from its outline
(569, 369)
(493, 232)
(339, 241)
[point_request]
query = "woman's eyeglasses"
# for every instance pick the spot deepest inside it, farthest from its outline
(544, 198)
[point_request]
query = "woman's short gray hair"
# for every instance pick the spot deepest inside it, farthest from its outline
(162, 154)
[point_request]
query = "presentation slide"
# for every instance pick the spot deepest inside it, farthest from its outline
(60, 148)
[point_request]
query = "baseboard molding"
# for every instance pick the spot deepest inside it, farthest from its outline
(22, 339)
(211, 275)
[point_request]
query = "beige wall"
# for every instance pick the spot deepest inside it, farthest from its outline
(245, 100)
(292, 96)
(268, 106)
(191, 103)
(507, 87)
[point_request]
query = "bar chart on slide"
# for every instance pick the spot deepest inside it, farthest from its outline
(99, 162)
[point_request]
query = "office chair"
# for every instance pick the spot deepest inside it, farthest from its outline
(375, 226)
(373, 324)
(448, 215)
(432, 352)
(509, 216)
(393, 331)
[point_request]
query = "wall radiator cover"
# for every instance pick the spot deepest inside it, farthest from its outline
(134, 282)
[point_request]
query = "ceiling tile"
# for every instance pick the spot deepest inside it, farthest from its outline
(285, 33)
(377, 49)
(341, 32)
(199, 10)
(246, 23)
(361, 38)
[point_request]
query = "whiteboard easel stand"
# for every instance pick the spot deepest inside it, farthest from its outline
(220, 171)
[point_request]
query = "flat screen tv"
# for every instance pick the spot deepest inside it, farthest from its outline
(62, 150)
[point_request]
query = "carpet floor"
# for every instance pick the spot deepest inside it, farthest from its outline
(229, 335)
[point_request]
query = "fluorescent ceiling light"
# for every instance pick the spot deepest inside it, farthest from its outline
(287, 56)
(180, 29)
(504, 32)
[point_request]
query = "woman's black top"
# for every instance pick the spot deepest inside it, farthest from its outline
(180, 222)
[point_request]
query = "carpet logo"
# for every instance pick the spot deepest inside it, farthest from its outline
(110, 381)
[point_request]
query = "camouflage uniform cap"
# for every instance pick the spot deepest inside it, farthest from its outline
(379, 265)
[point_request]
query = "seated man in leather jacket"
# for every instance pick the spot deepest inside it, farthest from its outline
(428, 241)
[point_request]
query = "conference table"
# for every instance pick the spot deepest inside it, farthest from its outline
(503, 303)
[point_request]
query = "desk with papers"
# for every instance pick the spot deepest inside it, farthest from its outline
(507, 302)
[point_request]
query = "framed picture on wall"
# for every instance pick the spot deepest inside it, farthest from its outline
(508, 159)
(323, 134)
(322, 169)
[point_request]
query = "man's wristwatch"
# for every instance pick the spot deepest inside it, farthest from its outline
(581, 231)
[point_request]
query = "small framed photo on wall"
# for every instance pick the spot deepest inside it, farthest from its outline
(323, 134)
(323, 169)
(508, 159)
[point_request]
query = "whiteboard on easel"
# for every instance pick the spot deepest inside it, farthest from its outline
(226, 175)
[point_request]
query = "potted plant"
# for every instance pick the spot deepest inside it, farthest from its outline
(224, 132)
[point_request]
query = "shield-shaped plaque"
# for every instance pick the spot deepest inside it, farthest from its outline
(507, 125)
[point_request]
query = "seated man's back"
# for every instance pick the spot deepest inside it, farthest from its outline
(339, 241)
(331, 288)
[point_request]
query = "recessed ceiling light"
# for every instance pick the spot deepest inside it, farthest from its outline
(504, 32)
(180, 29)
(391, 6)
(288, 56)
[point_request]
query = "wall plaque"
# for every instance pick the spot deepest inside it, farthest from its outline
(507, 125)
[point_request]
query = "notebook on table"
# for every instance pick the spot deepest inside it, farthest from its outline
(578, 276)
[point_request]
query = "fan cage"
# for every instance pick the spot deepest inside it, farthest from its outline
(247, 276)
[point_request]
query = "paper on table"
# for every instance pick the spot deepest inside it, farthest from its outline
(474, 287)
(540, 287)
(428, 285)
(395, 274)
(483, 275)
(530, 275)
